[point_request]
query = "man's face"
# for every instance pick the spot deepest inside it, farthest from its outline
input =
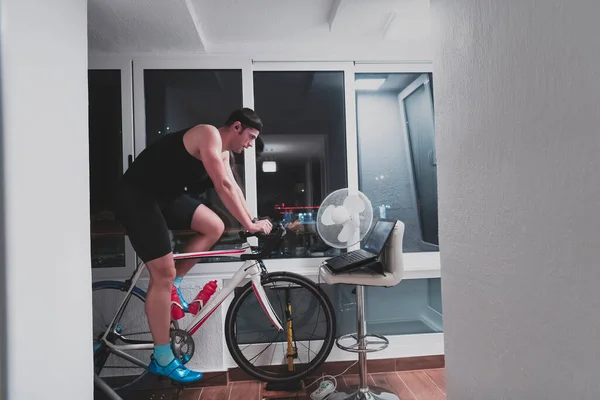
(246, 137)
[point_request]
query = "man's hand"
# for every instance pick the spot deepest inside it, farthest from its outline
(263, 226)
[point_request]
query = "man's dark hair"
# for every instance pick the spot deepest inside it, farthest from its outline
(247, 117)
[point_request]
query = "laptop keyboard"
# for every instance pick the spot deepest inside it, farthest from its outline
(350, 258)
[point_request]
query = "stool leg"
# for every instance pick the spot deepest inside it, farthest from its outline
(363, 392)
(362, 345)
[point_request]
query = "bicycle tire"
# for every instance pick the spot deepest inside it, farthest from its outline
(328, 341)
(121, 287)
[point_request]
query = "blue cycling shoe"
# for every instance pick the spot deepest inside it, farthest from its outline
(175, 371)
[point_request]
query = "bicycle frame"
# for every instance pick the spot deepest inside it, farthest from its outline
(252, 268)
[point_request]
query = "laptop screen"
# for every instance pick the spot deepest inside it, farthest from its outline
(379, 235)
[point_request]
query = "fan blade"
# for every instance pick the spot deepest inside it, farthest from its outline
(347, 232)
(326, 216)
(340, 215)
(354, 204)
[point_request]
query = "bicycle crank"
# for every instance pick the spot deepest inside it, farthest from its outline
(182, 344)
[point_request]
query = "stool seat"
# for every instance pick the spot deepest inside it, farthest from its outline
(391, 260)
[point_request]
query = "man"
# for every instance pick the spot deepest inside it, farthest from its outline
(152, 199)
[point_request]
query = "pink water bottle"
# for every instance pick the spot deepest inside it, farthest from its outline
(202, 297)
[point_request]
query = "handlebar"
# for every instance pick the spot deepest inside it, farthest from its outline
(272, 241)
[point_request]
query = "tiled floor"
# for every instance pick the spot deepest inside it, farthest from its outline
(408, 385)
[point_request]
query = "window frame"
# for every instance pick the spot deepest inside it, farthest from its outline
(351, 138)
(124, 65)
(418, 264)
(200, 62)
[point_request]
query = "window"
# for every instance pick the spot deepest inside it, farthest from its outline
(176, 99)
(304, 155)
(106, 166)
(414, 306)
(396, 153)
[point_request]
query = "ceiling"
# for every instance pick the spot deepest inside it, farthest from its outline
(290, 104)
(257, 26)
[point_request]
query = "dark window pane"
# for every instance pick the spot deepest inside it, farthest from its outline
(305, 142)
(106, 166)
(181, 99)
(412, 307)
(396, 153)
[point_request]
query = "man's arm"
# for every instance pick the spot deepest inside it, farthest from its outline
(227, 165)
(210, 151)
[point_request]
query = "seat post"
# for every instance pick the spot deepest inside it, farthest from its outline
(362, 342)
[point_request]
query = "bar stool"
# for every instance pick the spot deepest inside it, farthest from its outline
(391, 261)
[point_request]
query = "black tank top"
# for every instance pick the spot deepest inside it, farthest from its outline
(165, 169)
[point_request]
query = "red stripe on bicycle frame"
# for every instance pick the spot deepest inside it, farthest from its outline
(196, 254)
(262, 304)
(199, 324)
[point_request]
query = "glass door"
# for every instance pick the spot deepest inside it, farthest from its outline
(418, 109)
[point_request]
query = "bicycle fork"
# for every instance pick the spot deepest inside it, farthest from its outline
(259, 291)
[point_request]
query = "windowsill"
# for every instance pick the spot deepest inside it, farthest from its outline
(416, 266)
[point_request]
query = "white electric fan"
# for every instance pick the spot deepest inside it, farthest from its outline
(344, 218)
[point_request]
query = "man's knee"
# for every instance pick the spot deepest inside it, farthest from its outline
(206, 222)
(218, 227)
(162, 270)
(213, 227)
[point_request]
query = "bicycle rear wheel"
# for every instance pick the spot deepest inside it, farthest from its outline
(309, 329)
(130, 328)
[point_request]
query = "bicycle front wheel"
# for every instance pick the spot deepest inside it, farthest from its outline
(305, 343)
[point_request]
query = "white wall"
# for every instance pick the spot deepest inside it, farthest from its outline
(517, 93)
(46, 193)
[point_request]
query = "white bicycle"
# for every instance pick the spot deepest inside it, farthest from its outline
(286, 341)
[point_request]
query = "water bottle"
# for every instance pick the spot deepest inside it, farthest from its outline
(202, 297)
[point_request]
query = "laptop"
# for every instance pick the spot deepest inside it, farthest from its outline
(369, 252)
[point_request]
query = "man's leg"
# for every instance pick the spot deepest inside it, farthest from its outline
(209, 228)
(158, 310)
(185, 213)
(149, 236)
(158, 298)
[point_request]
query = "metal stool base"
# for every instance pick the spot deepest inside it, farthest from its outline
(373, 393)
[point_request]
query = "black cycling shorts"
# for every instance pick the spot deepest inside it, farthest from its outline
(147, 225)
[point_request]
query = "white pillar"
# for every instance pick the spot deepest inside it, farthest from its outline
(47, 350)
(517, 100)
